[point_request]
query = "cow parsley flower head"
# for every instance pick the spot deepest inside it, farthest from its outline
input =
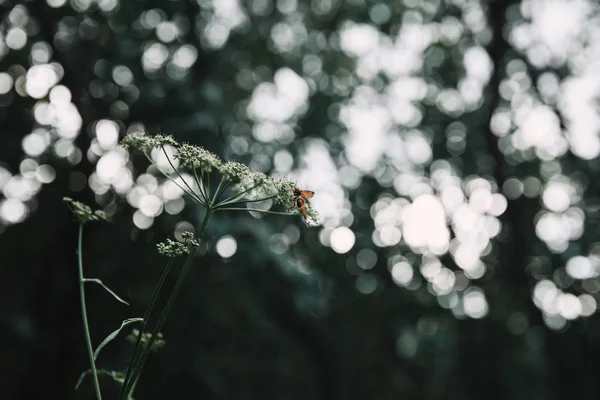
(138, 141)
(285, 192)
(145, 339)
(196, 157)
(144, 143)
(83, 212)
(171, 248)
(234, 171)
(161, 140)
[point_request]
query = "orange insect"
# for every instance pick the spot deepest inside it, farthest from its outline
(300, 197)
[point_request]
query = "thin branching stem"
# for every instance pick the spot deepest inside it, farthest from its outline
(200, 184)
(167, 309)
(149, 308)
(214, 199)
(233, 199)
(224, 189)
(207, 184)
(191, 194)
(253, 209)
(178, 174)
(248, 201)
(86, 327)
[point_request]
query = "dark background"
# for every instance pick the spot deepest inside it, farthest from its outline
(297, 324)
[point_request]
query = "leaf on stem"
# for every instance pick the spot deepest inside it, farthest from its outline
(114, 334)
(117, 376)
(99, 282)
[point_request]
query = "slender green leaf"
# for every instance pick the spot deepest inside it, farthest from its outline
(114, 334)
(117, 376)
(99, 282)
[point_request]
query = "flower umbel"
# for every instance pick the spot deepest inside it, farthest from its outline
(139, 141)
(285, 192)
(234, 171)
(171, 248)
(83, 212)
(158, 343)
(144, 143)
(197, 157)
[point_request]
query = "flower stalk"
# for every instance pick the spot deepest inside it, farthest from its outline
(84, 317)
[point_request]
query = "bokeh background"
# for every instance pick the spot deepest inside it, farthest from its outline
(453, 146)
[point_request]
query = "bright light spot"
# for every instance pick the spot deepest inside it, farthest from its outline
(278, 102)
(174, 207)
(16, 38)
(167, 31)
(544, 295)
(6, 83)
(559, 37)
(122, 75)
(556, 196)
(418, 148)
(185, 56)
(226, 246)
(142, 221)
(443, 283)
(283, 161)
(402, 273)
(150, 205)
(45, 173)
(481, 199)
(110, 165)
(107, 133)
(581, 268)
(171, 191)
(5, 176)
(342, 239)
(475, 304)
(478, 64)
(367, 126)
(568, 306)
(359, 39)
(39, 80)
(498, 206)
(56, 3)
(425, 225)
(13, 211)
(60, 94)
(36, 143)
(154, 56)
(588, 304)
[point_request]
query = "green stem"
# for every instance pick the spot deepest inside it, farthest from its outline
(179, 175)
(149, 308)
(167, 309)
(217, 191)
(254, 209)
(236, 196)
(207, 184)
(86, 327)
(247, 201)
(200, 184)
(191, 194)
